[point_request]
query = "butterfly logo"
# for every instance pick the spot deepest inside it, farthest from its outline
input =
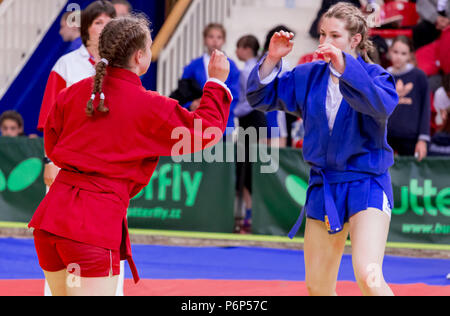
(404, 90)
(22, 177)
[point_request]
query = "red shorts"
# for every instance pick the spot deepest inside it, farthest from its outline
(86, 261)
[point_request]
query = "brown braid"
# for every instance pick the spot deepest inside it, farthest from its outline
(120, 39)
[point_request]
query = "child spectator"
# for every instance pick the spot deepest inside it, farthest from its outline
(11, 124)
(409, 125)
(214, 36)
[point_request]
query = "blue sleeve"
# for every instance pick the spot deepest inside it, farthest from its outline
(371, 92)
(286, 93)
(425, 125)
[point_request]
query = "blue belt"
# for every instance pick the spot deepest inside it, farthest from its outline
(325, 178)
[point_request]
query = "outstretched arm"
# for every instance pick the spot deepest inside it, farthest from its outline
(186, 132)
(266, 91)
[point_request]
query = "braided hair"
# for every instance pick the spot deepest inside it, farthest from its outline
(356, 23)
(120, 39)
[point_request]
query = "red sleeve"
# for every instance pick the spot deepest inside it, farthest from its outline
(53, 126)
(55, 84)
(187, 132)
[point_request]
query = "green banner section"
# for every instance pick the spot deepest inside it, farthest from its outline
(187, 196)
(199, 196)
(181, 196)
(421, 190)
(21, 184)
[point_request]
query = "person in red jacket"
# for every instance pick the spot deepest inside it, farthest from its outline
(107, 133)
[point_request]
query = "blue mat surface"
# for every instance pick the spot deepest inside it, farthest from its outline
(18, 260)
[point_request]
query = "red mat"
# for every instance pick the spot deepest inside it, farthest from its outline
(221, 288)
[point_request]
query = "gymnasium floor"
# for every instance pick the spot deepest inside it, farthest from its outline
(232, 271)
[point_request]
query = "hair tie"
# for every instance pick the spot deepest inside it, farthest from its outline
(93, 97)
(105, 61)
(102, 96)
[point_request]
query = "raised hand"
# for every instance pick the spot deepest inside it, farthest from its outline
(332, 54)
(281, 45)
(219, 66)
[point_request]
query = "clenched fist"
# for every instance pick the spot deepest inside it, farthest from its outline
(219, 66)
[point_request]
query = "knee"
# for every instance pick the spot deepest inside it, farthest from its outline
(320, 289)
(369, 275)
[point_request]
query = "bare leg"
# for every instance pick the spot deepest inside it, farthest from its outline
(47, 291)
(369, 232)
(57, 282)
(93, 286)
(121, 280)
(323, 254)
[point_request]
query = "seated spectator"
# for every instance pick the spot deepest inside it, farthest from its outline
(11, 124)
(440, 143)
(434, 16)
(409, 126)
(123, 7)
(70, 32)
(442, 100)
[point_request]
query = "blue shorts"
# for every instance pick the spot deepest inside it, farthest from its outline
(351, 198)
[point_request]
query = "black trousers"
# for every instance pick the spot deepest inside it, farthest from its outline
(403, 146)
(256, 120)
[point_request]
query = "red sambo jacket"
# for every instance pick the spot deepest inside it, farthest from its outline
(107, 159)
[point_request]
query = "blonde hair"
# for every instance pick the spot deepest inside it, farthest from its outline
(356, 23)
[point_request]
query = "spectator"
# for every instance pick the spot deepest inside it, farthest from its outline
(409, 125)
(440, 143)
(247, 51)
(434, 19)
(11, 124)
(214, 36)
(442, 100)
(70, 32)
(79, 64)
(123, 7)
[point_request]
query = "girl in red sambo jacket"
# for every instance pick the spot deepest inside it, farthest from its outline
(106, 134)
